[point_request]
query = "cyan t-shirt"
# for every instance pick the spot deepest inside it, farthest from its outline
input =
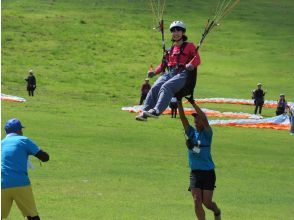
(203, 159)
(15, 150)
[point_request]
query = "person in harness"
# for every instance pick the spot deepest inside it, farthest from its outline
(180, 61)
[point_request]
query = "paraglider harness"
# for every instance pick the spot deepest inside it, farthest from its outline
(190, 84)
(223, 8)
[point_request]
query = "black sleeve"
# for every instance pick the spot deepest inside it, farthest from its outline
(42, 155)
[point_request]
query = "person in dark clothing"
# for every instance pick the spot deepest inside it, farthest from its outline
(282, 105)
(31, 83)
(173, 106)
(258, 96)
(144, 91)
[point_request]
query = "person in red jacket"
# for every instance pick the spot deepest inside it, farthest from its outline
(144, 90)
(181, 59)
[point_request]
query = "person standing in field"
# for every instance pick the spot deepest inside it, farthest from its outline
(31, 83)
(258, 96)
(202, 175)
(181, 60)
(144, 90)
(15, 183)
(173, 106)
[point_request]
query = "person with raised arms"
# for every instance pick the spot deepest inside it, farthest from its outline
(202, 175)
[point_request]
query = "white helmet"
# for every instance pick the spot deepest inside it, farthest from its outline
(178, 24)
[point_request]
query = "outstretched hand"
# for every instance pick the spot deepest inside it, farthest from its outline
(150, 74)
(189, 67)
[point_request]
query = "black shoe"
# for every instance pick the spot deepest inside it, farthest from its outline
(217, 216)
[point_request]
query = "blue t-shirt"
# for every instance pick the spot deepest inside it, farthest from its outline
(15, 150)
(201, 160)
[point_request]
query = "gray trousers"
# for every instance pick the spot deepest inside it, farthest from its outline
(164, 88)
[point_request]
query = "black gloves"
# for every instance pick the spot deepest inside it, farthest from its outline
(190, 99)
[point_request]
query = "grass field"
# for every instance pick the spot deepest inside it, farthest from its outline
(90, 58)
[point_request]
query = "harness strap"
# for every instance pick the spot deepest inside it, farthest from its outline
(170, 50)
(181, 52)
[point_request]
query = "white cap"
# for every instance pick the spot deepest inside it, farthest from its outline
(179, 24)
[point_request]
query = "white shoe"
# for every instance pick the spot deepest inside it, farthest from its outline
(151, 113)
(141, 117)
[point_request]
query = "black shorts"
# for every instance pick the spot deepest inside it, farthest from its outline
(202, 179)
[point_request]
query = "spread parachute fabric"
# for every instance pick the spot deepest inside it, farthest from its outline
(267, 103)
(208, 112)
(11, 98)
(280, 122)
(213, 113)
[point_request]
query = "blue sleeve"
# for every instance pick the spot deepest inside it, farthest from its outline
(190, 132)
(31, 147)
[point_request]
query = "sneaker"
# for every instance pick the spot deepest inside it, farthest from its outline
(218, 216)
(151, 113)
(141, 117)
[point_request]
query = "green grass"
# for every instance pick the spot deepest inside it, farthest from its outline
(90, 58)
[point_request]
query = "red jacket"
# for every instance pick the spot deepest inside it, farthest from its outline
(187, 55)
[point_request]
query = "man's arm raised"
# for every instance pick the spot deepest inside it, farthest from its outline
(183, 118)
(200, 113)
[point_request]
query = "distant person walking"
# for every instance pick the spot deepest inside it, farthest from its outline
(281, 105)
(202, 176)
(173, 106)
(31, 83)
(258, 96)
(144, 90)
(15, 183)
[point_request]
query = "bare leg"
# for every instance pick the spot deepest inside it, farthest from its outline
(197, 197)
(207, 201)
